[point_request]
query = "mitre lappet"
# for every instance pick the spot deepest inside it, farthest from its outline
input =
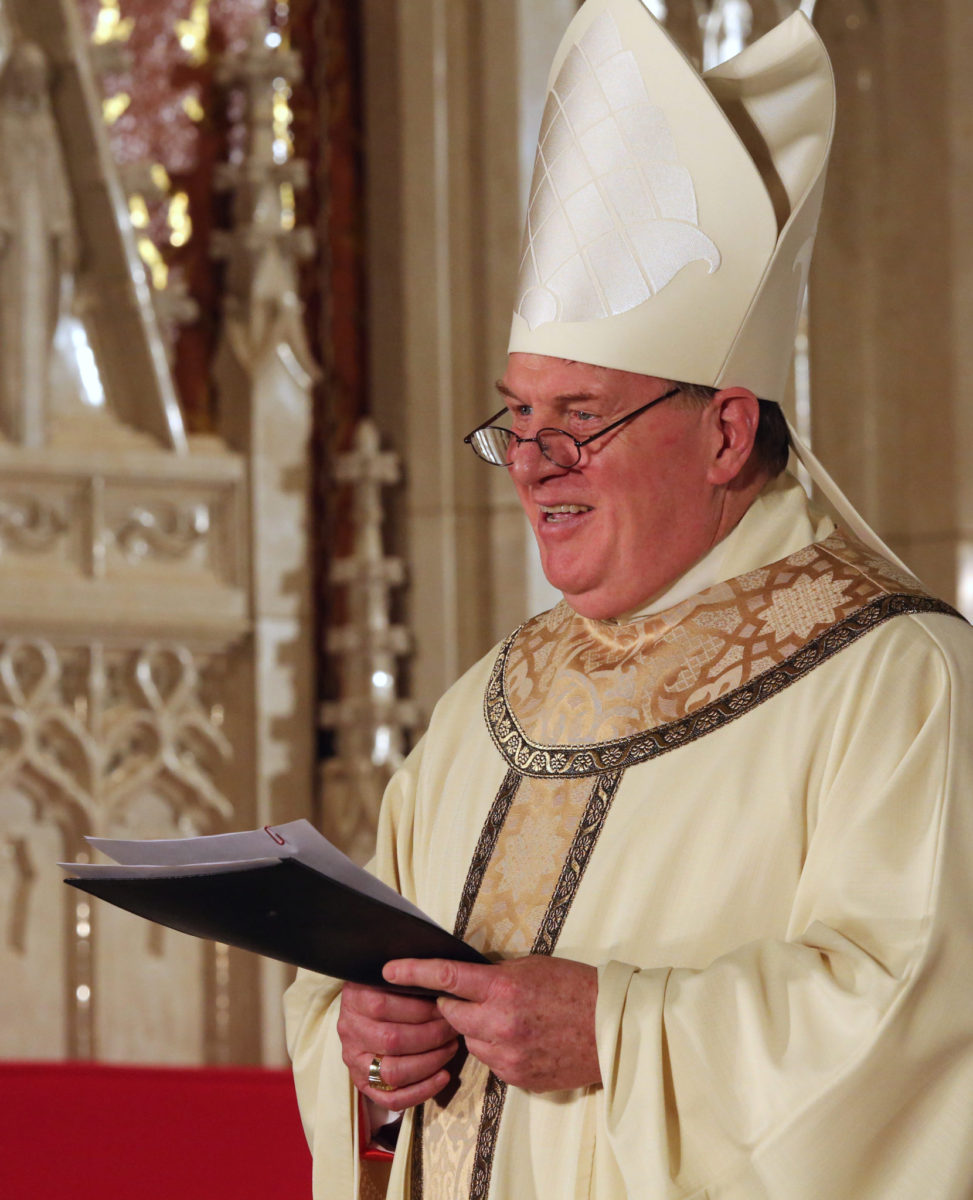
(672, 214)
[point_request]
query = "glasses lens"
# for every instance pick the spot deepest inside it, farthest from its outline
(559, 447)
(492, 444)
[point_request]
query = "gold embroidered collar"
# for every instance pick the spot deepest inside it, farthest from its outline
(571, 696)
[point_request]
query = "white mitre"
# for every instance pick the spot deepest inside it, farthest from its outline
(672, 215)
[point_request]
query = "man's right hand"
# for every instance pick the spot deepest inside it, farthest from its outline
(409, 1034)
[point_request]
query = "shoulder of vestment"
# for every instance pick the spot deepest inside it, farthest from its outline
(572, 696)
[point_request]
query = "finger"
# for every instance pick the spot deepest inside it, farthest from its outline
(489, 1053)
(405, 1070)
(387, 1006)
(361, 1034)
(408, 1097)
(469, 981)
(504, 1015)
(463, 1016)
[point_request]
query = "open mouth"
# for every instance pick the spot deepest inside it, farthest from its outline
(554, 513)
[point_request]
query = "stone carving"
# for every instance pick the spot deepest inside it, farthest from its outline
(164, 530)
(369, 719)
(98, 736)
(16, 850)
(264, 247)
(37, 242)
(30, 523)
(86, 524)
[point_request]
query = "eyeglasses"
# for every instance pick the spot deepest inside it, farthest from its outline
(496, 445)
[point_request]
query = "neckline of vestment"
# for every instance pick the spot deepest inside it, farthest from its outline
(569, 696)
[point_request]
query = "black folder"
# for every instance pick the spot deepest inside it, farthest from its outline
(288, 911)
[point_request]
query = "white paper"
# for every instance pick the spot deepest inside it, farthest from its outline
(229, 851)
(162, 870)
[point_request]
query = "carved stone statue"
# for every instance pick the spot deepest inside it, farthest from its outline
(38, 244)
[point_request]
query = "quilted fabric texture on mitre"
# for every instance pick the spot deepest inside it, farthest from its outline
(613, 214)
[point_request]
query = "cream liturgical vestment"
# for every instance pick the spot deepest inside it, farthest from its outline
(749, 806)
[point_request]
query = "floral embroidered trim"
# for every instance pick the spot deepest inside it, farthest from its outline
(486, 1141)
(415, 1188)
(538, 761)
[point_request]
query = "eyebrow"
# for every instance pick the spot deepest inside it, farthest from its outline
(563, 398)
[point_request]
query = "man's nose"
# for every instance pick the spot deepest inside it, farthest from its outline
(529, 465)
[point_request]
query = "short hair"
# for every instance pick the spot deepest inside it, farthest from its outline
(772, 442)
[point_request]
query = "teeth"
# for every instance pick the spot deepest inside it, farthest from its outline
(564, 508)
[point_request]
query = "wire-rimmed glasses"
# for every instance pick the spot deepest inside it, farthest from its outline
(496, 444)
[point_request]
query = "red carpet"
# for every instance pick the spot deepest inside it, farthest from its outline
(93, 1132)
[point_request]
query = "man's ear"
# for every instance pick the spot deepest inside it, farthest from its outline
(734, 414)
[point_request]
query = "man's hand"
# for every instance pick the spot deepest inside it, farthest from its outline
(410, 1034)
(531, 1021)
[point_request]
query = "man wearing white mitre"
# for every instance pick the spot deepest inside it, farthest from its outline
(704, 816)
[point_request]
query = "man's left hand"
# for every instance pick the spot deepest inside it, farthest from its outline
(531, 1020)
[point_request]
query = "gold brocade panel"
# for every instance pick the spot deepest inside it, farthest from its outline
(513, 898)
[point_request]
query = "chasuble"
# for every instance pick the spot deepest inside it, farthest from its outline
(748, 806)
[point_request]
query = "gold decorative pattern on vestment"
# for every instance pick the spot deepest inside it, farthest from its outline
(577, 859)
(484, 850)
(536, 841)
(571, 697)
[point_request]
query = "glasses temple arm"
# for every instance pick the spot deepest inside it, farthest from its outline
(496, 417)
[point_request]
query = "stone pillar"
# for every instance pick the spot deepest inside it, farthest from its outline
(958, 45)
(264, 374)
(454, 90)
(889, 289)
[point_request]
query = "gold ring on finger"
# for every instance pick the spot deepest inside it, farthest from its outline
(375, 1079)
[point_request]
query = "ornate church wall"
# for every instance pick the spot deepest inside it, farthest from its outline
(155, 661)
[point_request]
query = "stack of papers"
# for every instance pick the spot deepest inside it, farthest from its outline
(283, 891)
